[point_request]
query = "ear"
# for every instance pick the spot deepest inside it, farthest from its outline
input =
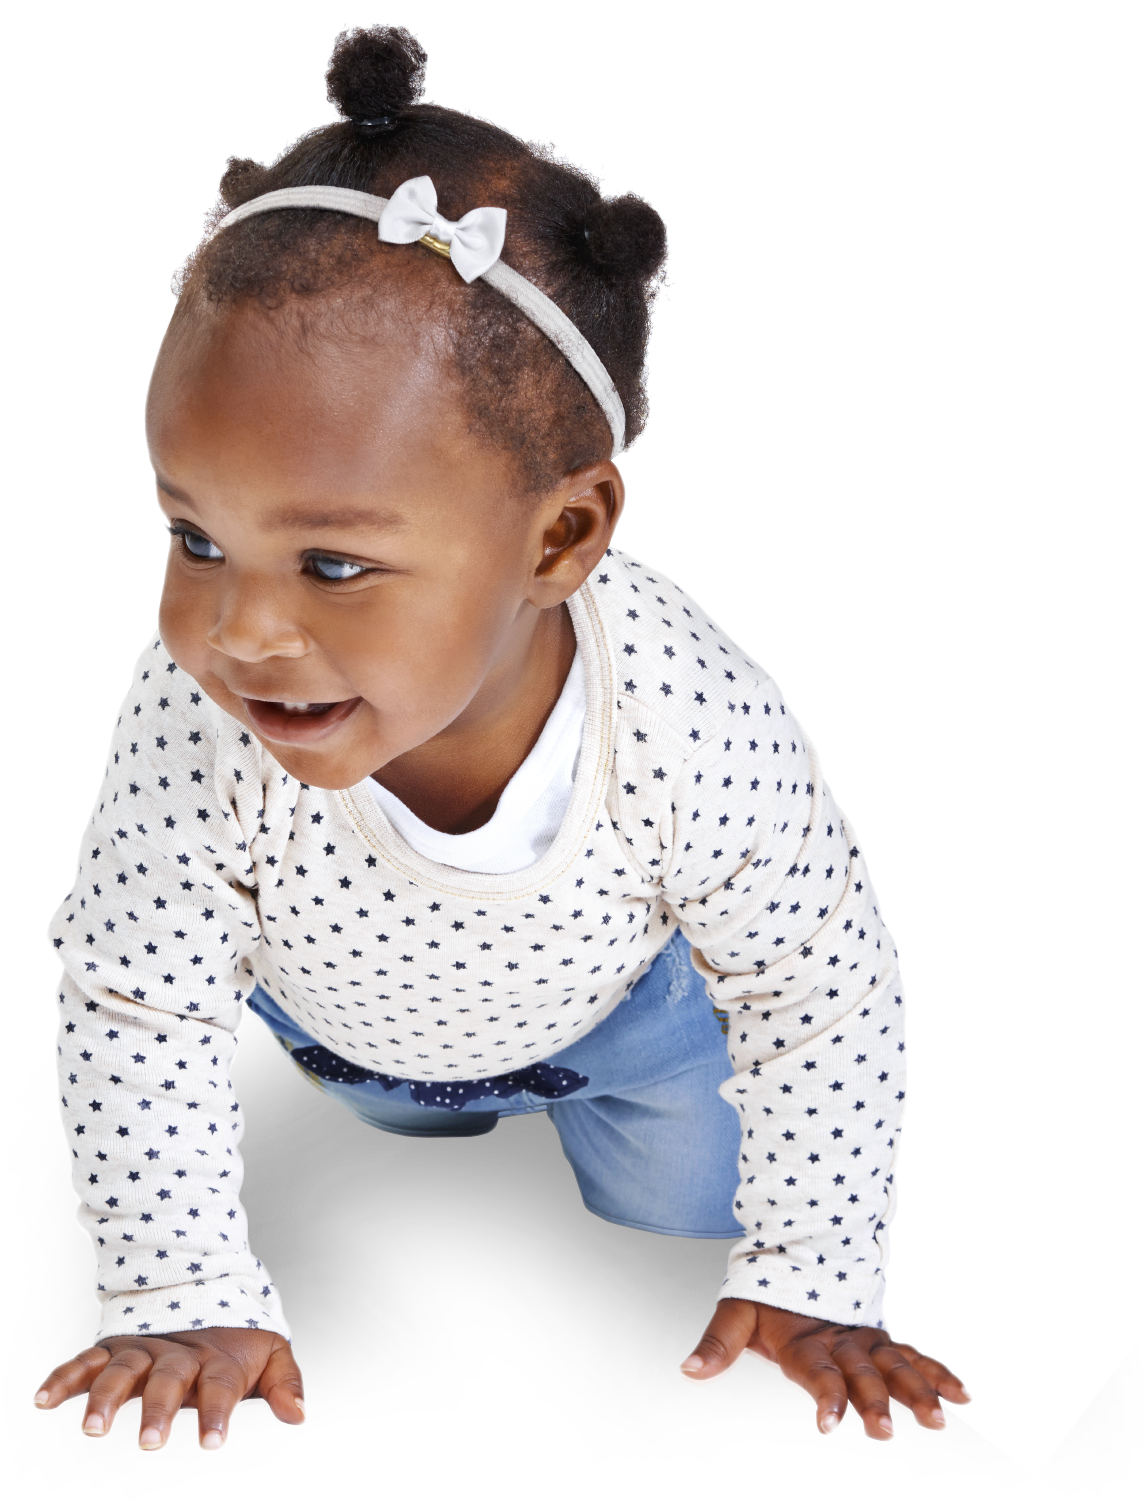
(575, 524)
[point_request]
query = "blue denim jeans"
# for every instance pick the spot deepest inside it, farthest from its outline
(652, 1143)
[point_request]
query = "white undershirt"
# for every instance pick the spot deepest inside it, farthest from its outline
(528, 813)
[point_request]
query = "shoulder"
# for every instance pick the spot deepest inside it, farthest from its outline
(674, 665)
(695, 715)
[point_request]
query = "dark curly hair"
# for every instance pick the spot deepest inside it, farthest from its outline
(599, 259)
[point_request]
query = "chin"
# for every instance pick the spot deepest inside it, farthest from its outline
(317, 771)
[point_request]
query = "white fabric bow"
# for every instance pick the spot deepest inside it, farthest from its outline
(474, 241)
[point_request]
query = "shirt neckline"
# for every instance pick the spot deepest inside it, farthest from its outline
(584, 807)
(507, 833)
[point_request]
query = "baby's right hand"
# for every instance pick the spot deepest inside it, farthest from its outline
(205, 1369)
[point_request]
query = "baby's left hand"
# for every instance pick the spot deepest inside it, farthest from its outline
(833, 1363)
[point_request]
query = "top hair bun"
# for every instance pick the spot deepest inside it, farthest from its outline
(624, 238)
(374, 74)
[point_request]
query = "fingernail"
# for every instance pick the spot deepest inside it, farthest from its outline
(938, 1418)
(93, 1424)
(150, 1439)
(41, 1397)
(828, 1422)
(692, 1364)
(301, 1406)
(885, 1425)
(964, 1393)
(212, 1440)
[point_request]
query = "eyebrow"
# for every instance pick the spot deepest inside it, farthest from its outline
(339, 518)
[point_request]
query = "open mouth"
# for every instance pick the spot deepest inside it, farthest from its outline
(295, 722)
(306, 709)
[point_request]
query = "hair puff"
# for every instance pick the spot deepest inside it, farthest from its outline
(241, 181)
(623, 239)
(375, 72)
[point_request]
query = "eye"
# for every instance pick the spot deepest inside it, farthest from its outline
(200, 546)
(195, 543)
(336, 568)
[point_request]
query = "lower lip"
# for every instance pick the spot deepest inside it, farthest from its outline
(276, 724)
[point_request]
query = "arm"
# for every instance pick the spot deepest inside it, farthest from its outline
(769, 885)
(153, 938)
(154, 1126)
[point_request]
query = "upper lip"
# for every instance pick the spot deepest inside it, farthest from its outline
(294, 698)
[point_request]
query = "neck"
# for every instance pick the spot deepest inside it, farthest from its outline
(453, 781)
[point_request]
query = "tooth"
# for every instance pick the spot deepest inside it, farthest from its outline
(285, 705)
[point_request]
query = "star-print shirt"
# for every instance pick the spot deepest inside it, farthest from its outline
(698, 803)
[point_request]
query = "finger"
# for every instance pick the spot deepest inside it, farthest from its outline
(836, 1378)
(867, 1393)
(172, 1376)
(907, 1385)
(281, 1386)
(729, 1330)
(807, 1366)
(122, 1377)
(72, 1377)
(939, 1376)
(810, 1369)
(222, 1385)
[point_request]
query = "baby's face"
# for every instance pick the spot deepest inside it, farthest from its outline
(348, 562)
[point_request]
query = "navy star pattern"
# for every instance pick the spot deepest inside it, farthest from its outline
(207, 870)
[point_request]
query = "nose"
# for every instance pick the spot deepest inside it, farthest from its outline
(250, 629)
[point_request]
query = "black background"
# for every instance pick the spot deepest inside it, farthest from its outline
(819, 472)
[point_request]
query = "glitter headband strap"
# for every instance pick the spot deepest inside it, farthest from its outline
(473, 244)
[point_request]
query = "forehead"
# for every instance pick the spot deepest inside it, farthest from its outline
(305, 382)
(307, 400)
(342, 366)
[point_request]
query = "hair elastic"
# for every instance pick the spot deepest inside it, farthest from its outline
(473, 243)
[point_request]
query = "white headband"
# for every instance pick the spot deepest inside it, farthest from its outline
(473, 243)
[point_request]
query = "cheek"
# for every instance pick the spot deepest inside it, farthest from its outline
(184, 622)
(424, 654)
(426, 645)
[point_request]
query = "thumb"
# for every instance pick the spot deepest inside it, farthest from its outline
(281, 1385)
(729, 1330)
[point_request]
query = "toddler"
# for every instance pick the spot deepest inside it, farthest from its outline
(478, 814)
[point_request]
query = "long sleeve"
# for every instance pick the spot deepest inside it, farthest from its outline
(769, 885)
(154, 938)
